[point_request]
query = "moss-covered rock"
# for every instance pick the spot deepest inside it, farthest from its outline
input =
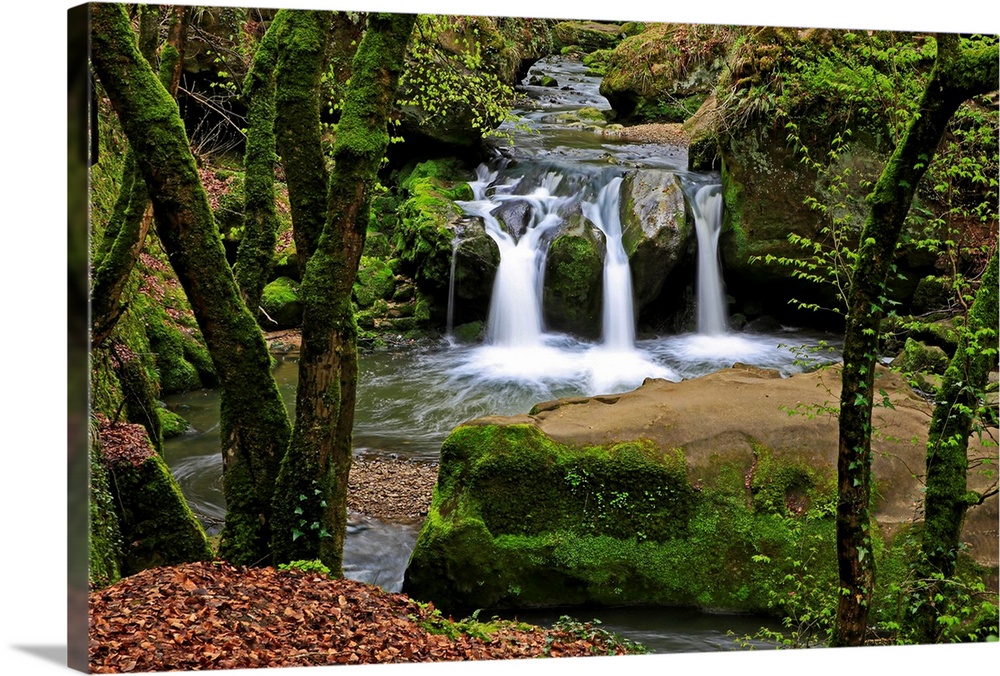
(656, 233)
(375, 280)
(280, 301)
(583, 501)
(521, 520)
(105, 538)
(586, 36)
(157, 526)
(932, 294)
(428, 217)
(573, 283)
(172, 424)
(918, 357)
(666, 72)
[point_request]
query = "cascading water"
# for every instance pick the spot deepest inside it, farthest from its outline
(515, 318)
(707, 208)
(618, 319)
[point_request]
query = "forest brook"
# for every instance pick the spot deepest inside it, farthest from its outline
(426, 338)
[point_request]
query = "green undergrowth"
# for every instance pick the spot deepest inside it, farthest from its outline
(518, 520)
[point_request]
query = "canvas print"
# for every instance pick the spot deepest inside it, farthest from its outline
(425, 337)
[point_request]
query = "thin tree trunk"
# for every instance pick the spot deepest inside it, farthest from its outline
(260, 220)
(955, 77)
(298, 72)
(254, 423)
(947, 496)
(318, 461)
(125, 233)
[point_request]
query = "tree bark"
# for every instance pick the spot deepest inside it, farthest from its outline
(125, 233)
(947, 496)
(260, 220)
(302, 45)
(318, 461)
(254, 423)
(956, 76)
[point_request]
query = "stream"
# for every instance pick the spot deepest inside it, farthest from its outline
(409, 398)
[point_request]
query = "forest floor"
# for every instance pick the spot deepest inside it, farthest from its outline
(211, 615)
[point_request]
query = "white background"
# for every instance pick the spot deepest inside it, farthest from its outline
(33, 308)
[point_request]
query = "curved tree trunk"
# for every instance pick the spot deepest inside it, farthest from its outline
(318, 461)
(254, 423)
(956, 76)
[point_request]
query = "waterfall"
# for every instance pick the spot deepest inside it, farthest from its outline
(618, 320)
(707, 207)
(515, 318)
(456, 239)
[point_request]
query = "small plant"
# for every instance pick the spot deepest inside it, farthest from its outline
(603, 641)
(309, 566)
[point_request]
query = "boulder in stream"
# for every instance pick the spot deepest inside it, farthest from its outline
(700, 493)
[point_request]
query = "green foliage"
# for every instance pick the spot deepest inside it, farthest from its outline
(453, 72)
(805, 596)
(309, 566)
(593, 632)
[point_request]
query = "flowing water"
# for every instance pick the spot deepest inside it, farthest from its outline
(410, 398)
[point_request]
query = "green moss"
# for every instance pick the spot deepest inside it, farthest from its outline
(519, 520)
(375, 280)
(172, 424)
(156, 523)
(105, 541)
(280, 300)
(423, 234)
(573, 278)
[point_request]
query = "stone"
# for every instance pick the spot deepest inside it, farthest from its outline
(669, 494)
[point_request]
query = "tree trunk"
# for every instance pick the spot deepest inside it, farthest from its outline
(312, 486)
(956, 76)
(299, 69)
(254, 423)
(125, 233)
(947, 496)
(260, 220)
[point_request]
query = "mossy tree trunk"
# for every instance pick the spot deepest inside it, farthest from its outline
(260, 220)
(254, 422)
(125, 234)
(311, 501)
(302, 38)
(958, 74)
(947, 496)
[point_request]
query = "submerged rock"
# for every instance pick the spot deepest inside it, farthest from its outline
(688, 494)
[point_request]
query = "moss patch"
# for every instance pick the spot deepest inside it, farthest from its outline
(520, 520)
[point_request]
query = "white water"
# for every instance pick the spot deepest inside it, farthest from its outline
(515, 318)
(707, 208)
(518, 349)
(618, 319)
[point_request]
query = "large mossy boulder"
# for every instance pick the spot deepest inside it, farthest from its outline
(701, 493)
(656, 233)
(666, 72)
(428, 219)
(587, 36)
(156, 525)
(798, 159)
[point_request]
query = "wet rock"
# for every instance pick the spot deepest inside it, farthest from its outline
(666, 495)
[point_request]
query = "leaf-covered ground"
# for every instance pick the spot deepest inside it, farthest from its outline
(212, 615)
